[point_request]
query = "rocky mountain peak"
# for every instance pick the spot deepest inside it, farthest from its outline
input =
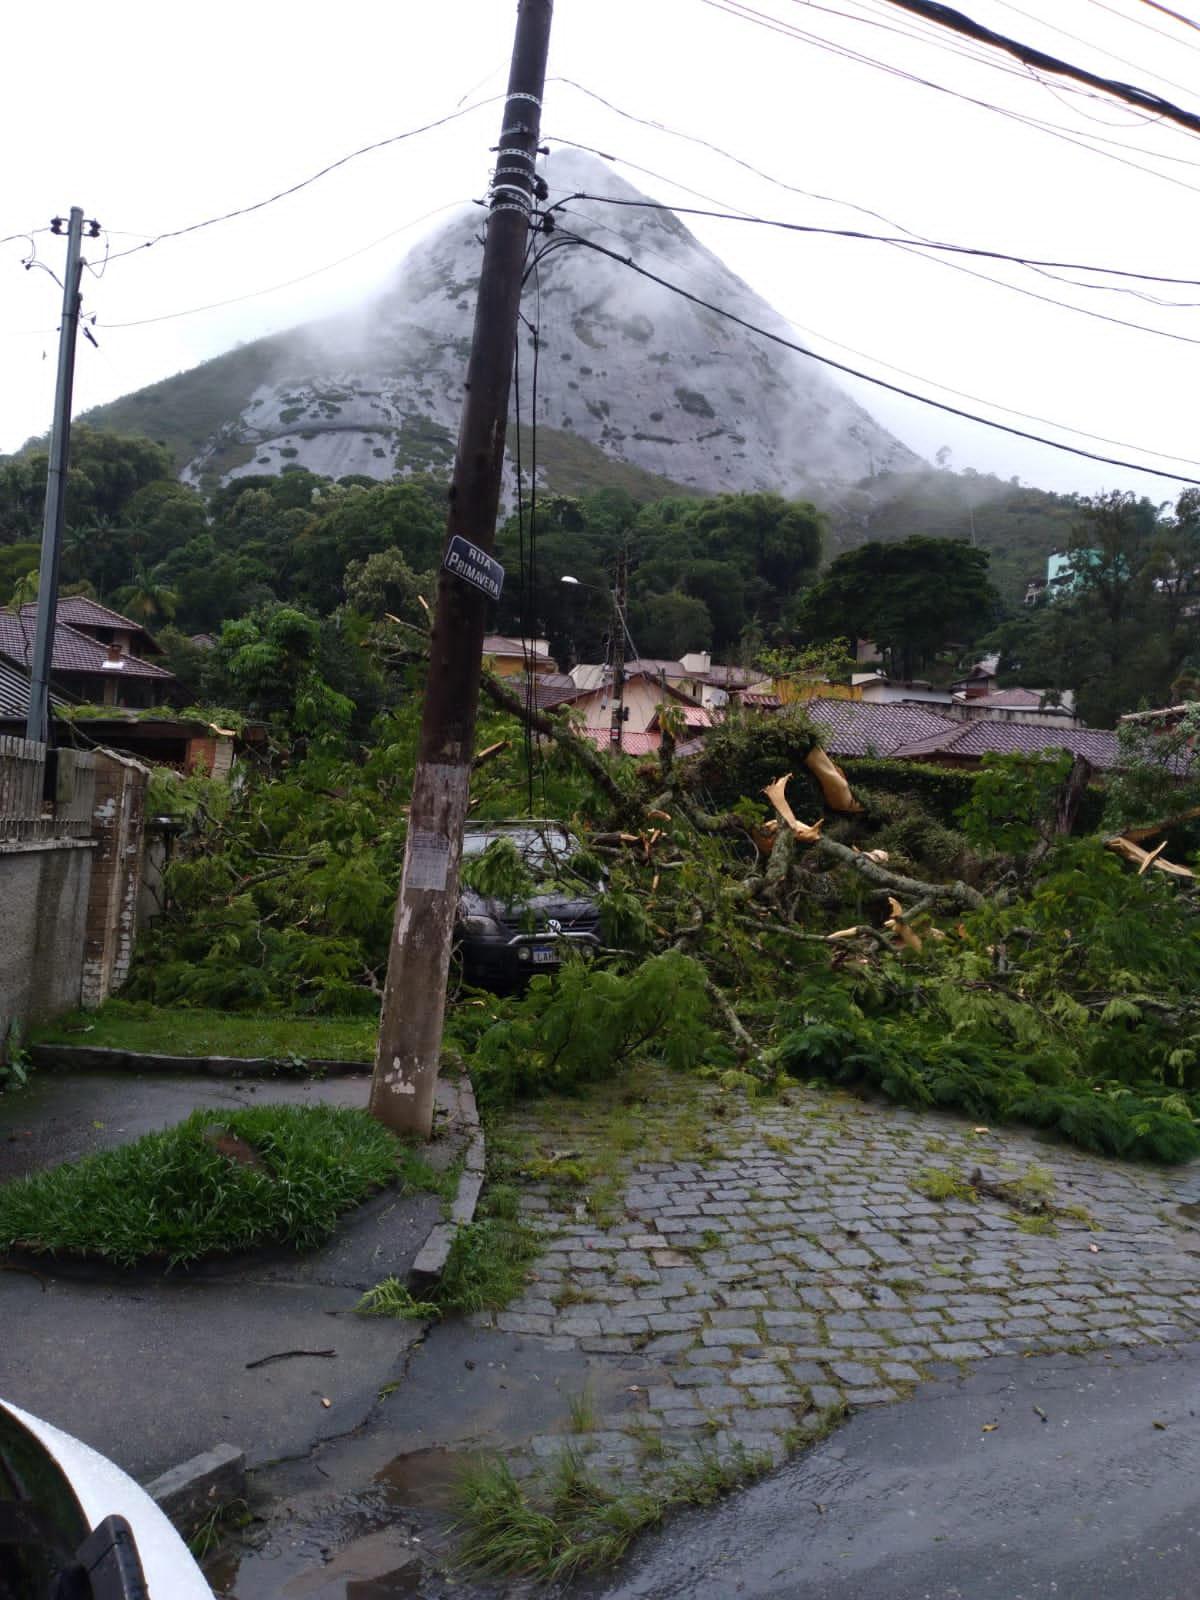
(640, 373)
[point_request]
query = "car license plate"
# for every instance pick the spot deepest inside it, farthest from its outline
(545, 955)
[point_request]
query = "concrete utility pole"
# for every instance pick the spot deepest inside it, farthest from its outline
(414, 996)
(37, 723)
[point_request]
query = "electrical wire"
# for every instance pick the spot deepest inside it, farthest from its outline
(959, 22)
(1000, 283)
(255, 294)
(878, 238)
(562, 210)
(880, 383)
(1167, 12)
(1082, 140)
(1140, 22)
(295, 188)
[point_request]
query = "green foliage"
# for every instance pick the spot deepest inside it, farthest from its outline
(565, 1521)
(938, 791)
(1156, 777)
(583, 1024)
(744, 753)
(1115, 628)
(1012, 1017)
(1011, 804)
(391, 1298)
(499, 872)
(176, 1196)
(487, 1265)
(123, 1024)
(909, 597)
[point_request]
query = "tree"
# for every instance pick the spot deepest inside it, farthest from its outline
(670, 625)
(1116, 634)
(911, 598)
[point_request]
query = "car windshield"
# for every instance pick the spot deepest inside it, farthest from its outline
(544, 848)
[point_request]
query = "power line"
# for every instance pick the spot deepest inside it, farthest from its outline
(933, 383)
(295, 188)
(1167, 12)
(1079, 138)
(255, 294)
(958, 22)
(880, 383)
(879, 238)
(1139, 22)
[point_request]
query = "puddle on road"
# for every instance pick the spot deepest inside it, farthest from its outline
(364, 1551)
(424, 1478)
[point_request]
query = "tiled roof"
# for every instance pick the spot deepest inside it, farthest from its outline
(855, 728)
(14, 692)
(1097, 745)
(632, 744)
(550, 695)
(77, 611)
(499, 644)
(73, 651)
(1011, 699)
(909, 732)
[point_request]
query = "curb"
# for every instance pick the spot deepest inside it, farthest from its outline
(195, 1490)
(97, 1058)
(191, 1492)
(433, 1254)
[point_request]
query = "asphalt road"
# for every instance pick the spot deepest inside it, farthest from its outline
(1066, 1476)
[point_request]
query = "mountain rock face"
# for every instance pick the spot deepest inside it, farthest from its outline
(638, 372)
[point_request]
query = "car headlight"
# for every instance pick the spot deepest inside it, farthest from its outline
(479, 925)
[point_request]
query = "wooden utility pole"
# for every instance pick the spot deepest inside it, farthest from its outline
(414, 996)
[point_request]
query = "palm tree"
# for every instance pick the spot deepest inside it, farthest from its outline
(147, 597)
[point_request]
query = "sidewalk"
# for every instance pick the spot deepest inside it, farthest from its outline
(750, 1270)
(154, 1368)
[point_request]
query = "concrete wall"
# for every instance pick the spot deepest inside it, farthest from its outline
(70, 871)
(44, 886)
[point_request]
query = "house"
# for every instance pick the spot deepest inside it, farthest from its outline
(99, 656)
(512, 658)
(1030, 707)
(876, 688)
(646, 688)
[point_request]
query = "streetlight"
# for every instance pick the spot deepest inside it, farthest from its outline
(619, 633)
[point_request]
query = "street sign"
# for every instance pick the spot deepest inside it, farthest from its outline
(474, 566)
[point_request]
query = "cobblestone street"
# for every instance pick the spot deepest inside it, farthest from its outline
(804, 1263)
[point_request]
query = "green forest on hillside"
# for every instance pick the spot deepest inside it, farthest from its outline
(733, 574)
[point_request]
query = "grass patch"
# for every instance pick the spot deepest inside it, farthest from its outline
(181, 1031)
(391, 1298)
(565, 1521)
(935, 1183)
(216, 1183)
(487, 1266)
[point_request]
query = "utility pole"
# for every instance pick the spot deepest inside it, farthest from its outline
(414, 997)
(37, 723)
(617, 730)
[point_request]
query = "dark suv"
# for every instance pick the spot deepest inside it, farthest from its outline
(505, 939)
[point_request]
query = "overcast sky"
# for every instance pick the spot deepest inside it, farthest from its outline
(153, 118)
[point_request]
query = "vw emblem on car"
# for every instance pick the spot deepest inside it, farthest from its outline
(555, 926)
